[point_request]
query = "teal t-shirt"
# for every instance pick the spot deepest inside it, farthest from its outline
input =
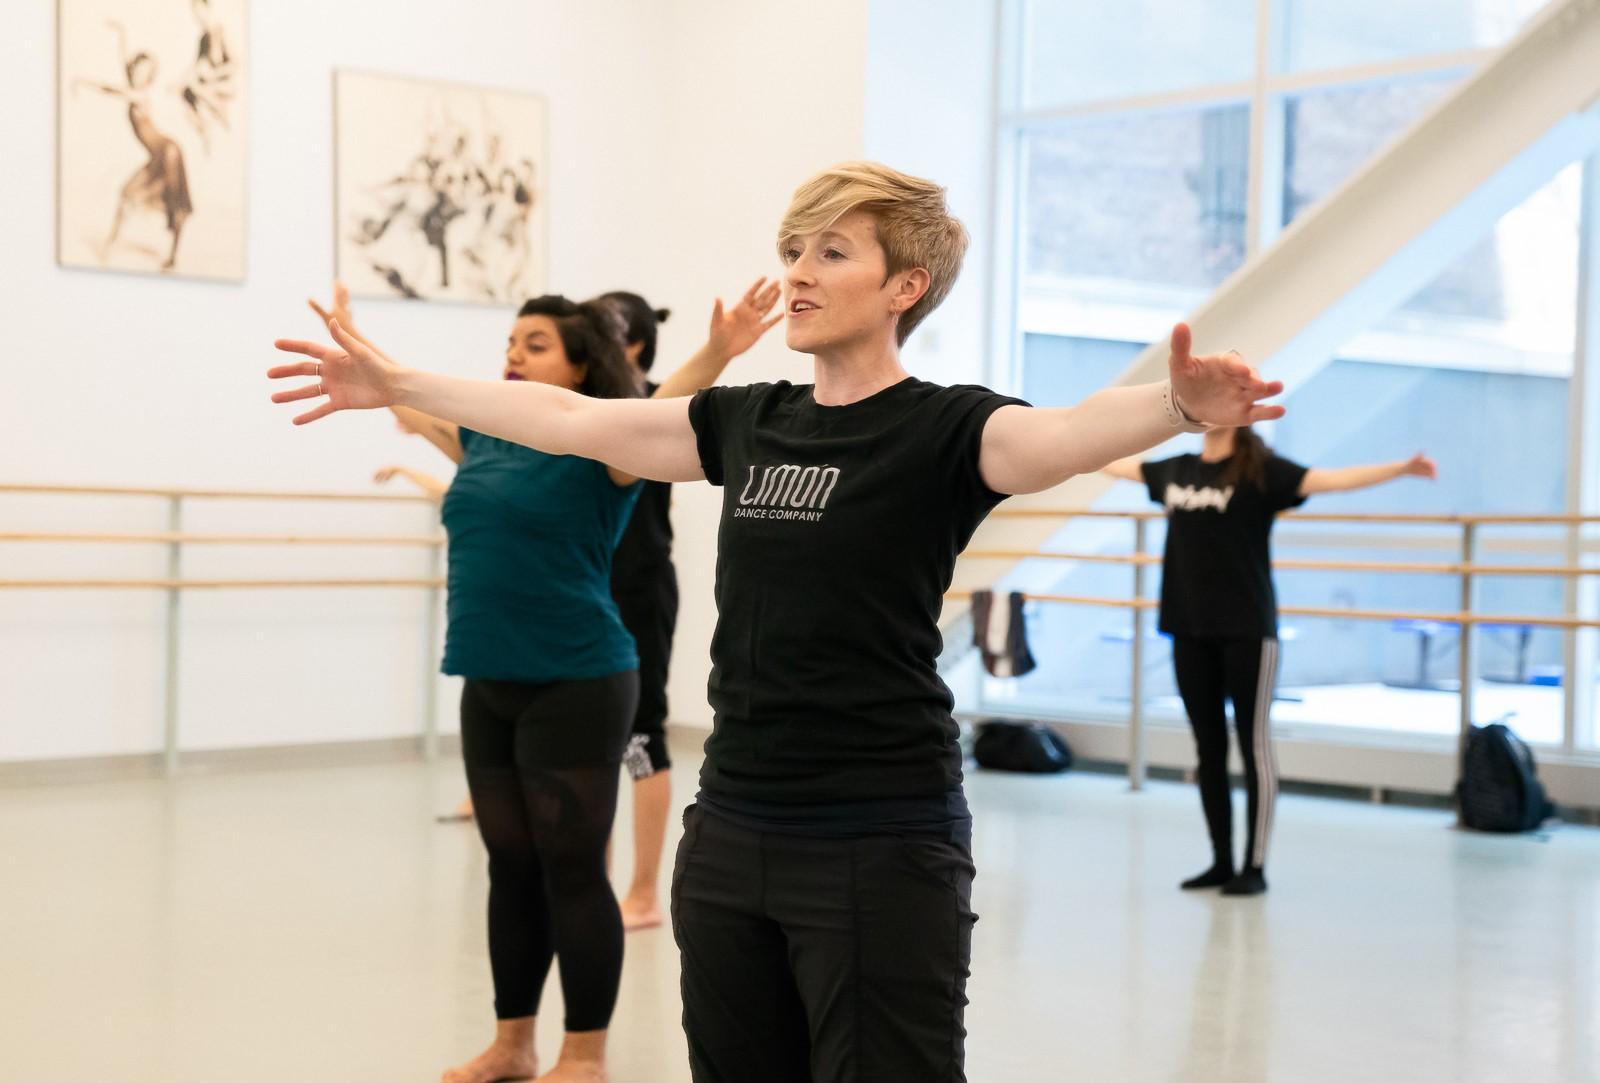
(531, 537)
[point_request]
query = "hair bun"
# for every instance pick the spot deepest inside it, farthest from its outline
(662, 314)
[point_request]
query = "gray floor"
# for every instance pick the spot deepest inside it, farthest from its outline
(318, 925)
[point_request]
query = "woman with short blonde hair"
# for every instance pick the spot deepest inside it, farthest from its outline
(822, 895)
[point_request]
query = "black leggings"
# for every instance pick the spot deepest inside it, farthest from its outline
(1210, 671)
(648, 604)
(542, 769)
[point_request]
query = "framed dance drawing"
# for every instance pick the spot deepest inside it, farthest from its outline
(439, 190)
(150, 107)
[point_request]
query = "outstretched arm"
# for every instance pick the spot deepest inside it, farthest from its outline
(1348, 478)
(648, 438)
(432, 487)
(1125, 469)
(1026, 450)
(732, 333)
(441, 434)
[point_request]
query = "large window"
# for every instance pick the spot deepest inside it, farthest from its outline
(1320, 34)
(1133, 202)
(1146, 201)
(1075, 52)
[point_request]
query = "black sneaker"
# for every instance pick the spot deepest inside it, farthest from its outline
(1248, 882)
(1216, 876)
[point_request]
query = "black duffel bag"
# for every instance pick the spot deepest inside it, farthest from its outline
(1003, 745)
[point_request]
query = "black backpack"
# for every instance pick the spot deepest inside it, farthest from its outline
(1499, 790)
(1020, 746)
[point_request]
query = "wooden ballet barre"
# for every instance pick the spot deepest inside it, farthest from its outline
(1547, 520)
(1363, 517)
(1090, 558)
(1071, 513)
(214, 494)
(1563, 570)
(1458, 520)
(425, 540)
(1419, 568)
(1467, 619)
(1069, 599)
(1308, 517)
(207, 584)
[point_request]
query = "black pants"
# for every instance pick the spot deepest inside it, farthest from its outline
(821, 960)
(1209, 672)
(648, 604)
(542, 770)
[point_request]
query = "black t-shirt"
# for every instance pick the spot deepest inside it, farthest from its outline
(644, 555)
(1216, 578)
(839, 535)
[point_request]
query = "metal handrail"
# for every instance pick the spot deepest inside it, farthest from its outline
(1466, 569)
(213, 494)
(1412, 567)
(174, 584)
(209, 584)
(1308, 517)
(227, 539)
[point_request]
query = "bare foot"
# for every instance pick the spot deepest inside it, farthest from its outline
(639, 914)
(494, 1064)
(459, 814)
(569, 1072)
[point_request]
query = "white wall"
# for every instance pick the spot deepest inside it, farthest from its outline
(760, 96)
(678, 132)
(907, 82)
(929, 105)
(139, 381)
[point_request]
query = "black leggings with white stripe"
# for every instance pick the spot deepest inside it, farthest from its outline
(1210, 672)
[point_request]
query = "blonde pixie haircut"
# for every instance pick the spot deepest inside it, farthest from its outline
(914, 227)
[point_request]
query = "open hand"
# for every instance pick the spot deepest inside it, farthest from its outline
(351, 374)
(340, 309)
(1219, 389)
(737, 329)
(1420, 466)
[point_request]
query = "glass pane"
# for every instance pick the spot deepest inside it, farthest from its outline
(1079, 52)
(1341, 33)
(1515, 289)
(1588, 645)
(1084, 652)
(1149, 200)
(1329, 134)
(1486, 394)
(1476, 424)
(1060, 371)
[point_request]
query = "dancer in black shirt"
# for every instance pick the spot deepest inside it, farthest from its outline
(821, 899)
(1219, 606)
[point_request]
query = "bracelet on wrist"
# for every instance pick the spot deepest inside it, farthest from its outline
(1177, 416)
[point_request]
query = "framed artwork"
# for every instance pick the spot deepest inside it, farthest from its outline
(439, 190)
(151, 135)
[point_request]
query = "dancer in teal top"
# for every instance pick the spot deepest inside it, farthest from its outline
(551, 674)
(531, 538)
